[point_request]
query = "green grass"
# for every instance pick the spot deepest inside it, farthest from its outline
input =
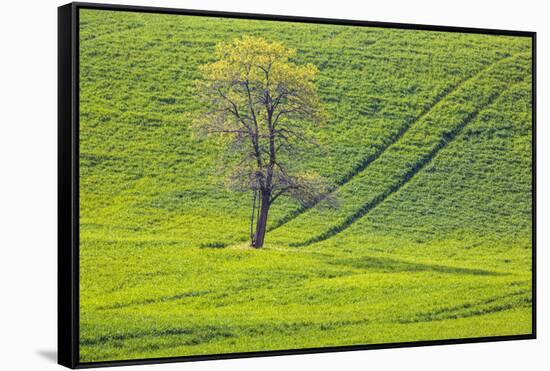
(427, 145)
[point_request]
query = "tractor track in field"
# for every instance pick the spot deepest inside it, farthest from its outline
(444, 141)
(470, 309)
(111, 33)
(366, 161)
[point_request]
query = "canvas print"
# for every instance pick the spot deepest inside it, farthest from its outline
(259, 185)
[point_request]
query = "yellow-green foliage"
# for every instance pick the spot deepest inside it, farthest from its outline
(427, 141)
(244, 58)
(261, 104)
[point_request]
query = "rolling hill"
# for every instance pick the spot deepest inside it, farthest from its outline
(427, 146)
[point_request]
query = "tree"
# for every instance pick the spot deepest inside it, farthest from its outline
(261, 103)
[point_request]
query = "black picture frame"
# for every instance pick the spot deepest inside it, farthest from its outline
(68, 183)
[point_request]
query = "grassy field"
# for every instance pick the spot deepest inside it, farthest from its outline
(427, 145)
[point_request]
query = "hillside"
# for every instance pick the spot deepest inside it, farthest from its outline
(427, 146)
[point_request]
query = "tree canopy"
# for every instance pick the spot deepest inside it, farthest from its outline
(261, 103)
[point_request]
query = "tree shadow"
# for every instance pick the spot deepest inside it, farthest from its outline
(388, 265)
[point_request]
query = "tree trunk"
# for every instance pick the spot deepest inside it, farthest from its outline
(261, 223)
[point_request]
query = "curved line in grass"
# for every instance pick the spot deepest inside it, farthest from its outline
(444, 141)
(366, 161)
(494, 304)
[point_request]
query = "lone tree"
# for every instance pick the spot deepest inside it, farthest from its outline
(260, 103)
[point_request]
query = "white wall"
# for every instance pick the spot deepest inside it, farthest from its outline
(28, 167)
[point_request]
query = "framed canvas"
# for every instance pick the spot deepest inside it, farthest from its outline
(236, 185)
